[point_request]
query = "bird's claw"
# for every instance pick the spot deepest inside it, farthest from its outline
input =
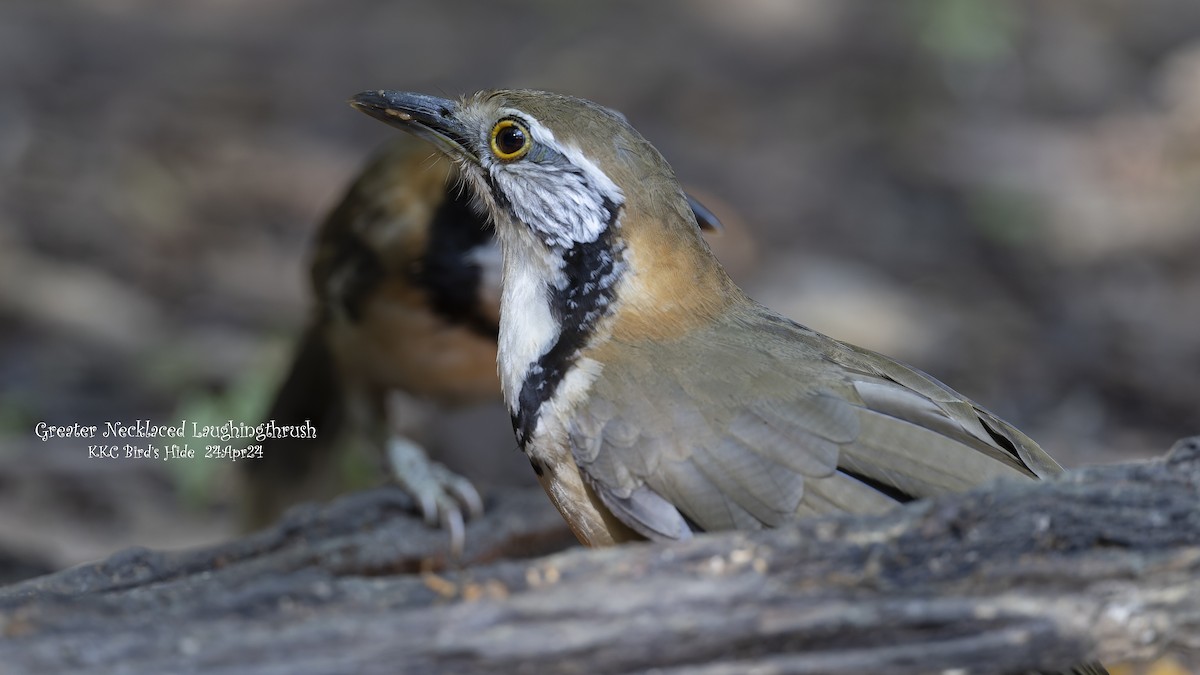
(442, 496)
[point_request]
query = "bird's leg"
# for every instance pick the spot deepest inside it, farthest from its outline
(443, 497)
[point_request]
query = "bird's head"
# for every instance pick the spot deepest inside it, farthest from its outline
(568, 180)
(562, 167)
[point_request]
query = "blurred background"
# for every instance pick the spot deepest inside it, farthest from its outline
(1006, 195)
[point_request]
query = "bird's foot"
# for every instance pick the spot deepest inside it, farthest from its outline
(443, 497)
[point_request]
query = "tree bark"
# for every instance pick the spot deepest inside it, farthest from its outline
(1102, 564)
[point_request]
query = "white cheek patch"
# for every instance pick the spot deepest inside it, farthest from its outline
(565, 201)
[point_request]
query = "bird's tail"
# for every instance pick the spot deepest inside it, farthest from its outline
(294, 469)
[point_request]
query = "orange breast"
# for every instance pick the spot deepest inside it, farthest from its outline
(399, 343)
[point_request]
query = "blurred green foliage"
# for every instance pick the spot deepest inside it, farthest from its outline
(1006, 217)
(970, 31)
(201, 483)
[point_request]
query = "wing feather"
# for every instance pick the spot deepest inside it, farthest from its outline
(722, 434)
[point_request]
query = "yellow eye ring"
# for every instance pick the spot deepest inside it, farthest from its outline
(510, 140)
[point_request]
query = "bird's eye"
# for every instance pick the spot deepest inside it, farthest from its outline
(510, 140)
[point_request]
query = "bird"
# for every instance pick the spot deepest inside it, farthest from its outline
(403, 306)
(653, 398)
(404, 280)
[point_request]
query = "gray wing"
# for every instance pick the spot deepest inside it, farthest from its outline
(743, 429)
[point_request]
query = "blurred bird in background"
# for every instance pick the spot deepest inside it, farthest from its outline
(399, 307)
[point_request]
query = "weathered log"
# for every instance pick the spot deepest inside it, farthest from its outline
(1101, 564)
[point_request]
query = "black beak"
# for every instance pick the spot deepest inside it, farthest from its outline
(428, 117)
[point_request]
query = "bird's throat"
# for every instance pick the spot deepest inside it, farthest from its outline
(554, 302)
